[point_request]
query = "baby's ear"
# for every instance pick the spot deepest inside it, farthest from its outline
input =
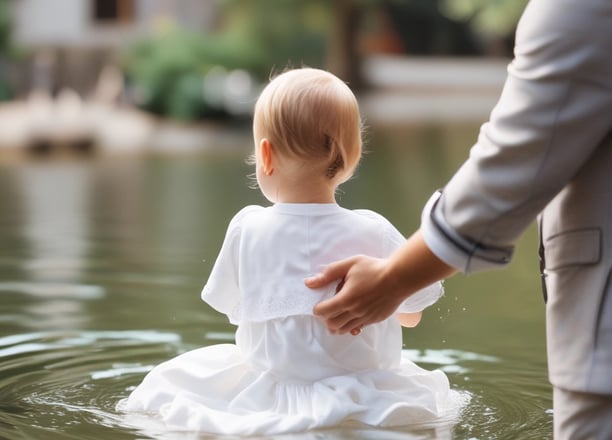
(266, 152)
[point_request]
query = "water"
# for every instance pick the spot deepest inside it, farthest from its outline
(102, 261)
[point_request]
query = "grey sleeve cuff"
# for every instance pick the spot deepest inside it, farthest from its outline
(459, 252)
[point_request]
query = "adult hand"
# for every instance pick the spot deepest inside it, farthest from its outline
(365, 294)
(372, 289)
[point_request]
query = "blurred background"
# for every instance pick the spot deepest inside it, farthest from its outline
(124, 128)
(113, 74)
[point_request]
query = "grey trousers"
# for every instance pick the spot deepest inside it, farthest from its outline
(581, 416)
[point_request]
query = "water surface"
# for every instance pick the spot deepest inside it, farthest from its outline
(102, 261)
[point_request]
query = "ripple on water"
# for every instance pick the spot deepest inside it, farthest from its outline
(66, 385)
(68, 382)
(46, 305)
(508, 402)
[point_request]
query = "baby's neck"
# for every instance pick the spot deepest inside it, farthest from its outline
(305, 198)
(306, 193)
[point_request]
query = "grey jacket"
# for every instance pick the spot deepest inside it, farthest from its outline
(547, 148)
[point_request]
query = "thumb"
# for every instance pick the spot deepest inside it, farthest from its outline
(333, 272)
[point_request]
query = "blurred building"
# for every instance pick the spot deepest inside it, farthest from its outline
(68, 42)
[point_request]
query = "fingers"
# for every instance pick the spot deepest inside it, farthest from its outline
(345, 324)
(353, 327)
(331, 310)
(338, 322)
(332, 272)
(337, 312)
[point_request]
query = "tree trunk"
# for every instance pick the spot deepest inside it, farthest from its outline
(343, 57)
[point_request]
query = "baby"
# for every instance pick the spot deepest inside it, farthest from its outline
(286, 372)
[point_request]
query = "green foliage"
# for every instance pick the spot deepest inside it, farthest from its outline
(493, 17)
(283, 33)
(167, 70)
(5, 28)
(5, 50)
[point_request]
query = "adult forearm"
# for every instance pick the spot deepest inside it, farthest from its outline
(413, 267)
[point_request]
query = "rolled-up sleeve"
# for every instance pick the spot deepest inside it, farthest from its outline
(455, 250)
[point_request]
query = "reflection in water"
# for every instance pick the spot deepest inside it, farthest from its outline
(103, 260)
(56, 223)
(53, 200)
(56, 290)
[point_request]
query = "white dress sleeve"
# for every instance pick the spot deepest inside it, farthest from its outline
(421, 299)
(222, 290)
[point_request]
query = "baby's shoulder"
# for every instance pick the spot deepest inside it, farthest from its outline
(370, 215)
(241, 216)
(374, 221)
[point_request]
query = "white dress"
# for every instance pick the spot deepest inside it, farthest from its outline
(286, 372)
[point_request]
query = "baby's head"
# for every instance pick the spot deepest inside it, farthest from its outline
(312, 116)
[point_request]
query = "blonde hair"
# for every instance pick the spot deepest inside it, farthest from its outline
(311, 114)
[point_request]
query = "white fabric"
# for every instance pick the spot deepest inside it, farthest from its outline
(288, 375)
(286, 372)
(268, 252)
